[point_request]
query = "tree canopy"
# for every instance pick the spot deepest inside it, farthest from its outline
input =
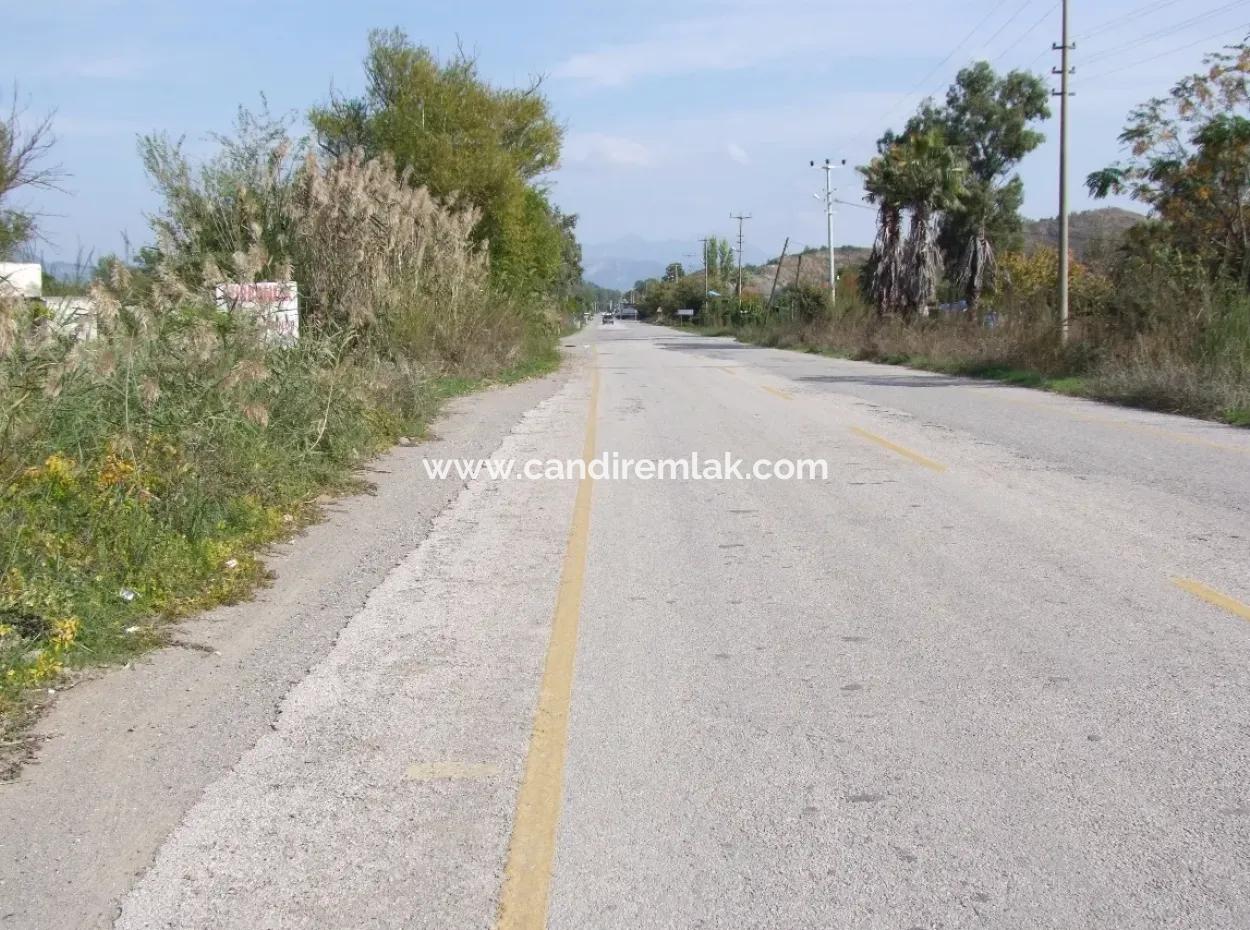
(25, 145)
(952, 166)
(469, 143)
(1189, 161)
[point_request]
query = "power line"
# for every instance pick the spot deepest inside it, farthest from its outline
(1244, 30)
(1042, 54)
(1166, 31)
(1003, 28)
(1131, 14)
(1028, 32)
(1151, 8)
(924, 81)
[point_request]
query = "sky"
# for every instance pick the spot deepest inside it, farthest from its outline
(677, 114)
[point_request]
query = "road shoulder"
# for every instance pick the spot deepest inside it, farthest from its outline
(125, 754)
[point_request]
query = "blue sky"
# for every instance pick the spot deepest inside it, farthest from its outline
(677, 113)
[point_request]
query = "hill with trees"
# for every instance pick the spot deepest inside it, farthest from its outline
(1091, 233)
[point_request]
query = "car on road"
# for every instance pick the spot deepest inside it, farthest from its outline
(609, 317)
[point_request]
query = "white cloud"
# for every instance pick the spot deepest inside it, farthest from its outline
(682, 48)
(745, 35)
(603, 147)
(738, 153)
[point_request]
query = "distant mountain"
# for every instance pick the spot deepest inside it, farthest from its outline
(619, 263)
(620, 273)
(69, 272)
(1088, 231)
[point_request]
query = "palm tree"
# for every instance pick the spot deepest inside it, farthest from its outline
(884, 280)
(929, 182)
(977, 266)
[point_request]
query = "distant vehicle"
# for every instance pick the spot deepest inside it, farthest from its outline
(629, 313)
(608, 316)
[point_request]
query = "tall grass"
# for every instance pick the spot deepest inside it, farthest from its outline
(1197, 364)
(142, 471)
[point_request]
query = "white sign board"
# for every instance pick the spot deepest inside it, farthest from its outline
(275, 302)
(21, 279)
(73, 316)
(685, 311)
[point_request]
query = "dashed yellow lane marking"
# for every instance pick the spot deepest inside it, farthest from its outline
(523, 900)
(1212, 596)
(900, 450)
(777, 392)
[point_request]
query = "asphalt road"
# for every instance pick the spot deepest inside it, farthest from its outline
(993, 670)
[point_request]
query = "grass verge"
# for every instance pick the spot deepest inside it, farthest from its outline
(1159, 381)
(110, 534)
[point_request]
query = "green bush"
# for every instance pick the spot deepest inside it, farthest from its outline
(142, 470)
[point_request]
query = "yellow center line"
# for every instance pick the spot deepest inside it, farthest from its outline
(1212, 596)
(523, 900)
(777, 392)
(901, 450)
(728, 371)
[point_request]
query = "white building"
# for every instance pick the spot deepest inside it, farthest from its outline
(21, 279)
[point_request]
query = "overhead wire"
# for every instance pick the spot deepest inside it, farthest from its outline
(1131, 14)
(1028, 32)
(1243, 29)
(1169, 30)
(1003, 28)
(923, 82)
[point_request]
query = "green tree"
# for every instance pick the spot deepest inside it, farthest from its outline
(1189, 160)
(724, 260)
(718, 259)
(25, 145)
(923, 175)
(674, 272)
(989, 120)
(468, 142)
(884, 275)
(230, 216)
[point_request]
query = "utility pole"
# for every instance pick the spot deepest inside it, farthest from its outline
(1064, 71)
(740, 217)
(777, 277)
(706, 262)
(828, 167)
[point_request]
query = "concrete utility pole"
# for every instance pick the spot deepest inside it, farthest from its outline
(706, 261)
(828, 167)
(777, 277)
(740, 217)
(1064, 71)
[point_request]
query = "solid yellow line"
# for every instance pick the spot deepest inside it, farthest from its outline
(901, 450)
(1211, 596)
(523, 900)
(776, 392)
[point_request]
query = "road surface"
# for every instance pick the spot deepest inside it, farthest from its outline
(993, 670)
